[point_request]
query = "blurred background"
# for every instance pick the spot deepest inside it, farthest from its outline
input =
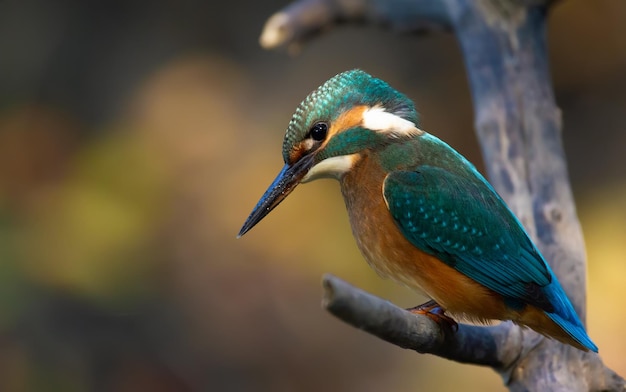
(135, 138)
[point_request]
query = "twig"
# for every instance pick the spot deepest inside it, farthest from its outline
(305, 19)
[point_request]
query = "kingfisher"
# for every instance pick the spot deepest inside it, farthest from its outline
(420, 212)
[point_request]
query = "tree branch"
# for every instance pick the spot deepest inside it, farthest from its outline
(303, 20)
(417, 332)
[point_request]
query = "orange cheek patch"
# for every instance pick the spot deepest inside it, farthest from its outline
(348, 119)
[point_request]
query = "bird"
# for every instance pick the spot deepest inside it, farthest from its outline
(420, 212)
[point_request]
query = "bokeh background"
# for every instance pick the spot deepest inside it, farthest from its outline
(136, 136)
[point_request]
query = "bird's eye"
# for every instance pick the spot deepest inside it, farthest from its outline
(318, 131)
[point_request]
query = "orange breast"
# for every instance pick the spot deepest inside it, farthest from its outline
(387, 250)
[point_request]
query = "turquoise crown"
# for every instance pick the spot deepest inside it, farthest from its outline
(339, 93)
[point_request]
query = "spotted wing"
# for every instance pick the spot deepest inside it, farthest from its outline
(464, 223)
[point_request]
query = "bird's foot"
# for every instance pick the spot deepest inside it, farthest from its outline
(435, 312)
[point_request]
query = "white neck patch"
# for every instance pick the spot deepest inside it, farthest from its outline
(333, 167)
(378, 119)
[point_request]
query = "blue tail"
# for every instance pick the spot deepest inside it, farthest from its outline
(565, 316)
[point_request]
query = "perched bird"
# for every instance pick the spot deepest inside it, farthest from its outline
(421, 213)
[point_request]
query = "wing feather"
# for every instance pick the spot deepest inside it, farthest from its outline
(464, 223)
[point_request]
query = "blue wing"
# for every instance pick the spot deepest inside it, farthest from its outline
(463, 222)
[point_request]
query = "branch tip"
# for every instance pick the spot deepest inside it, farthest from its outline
(275, 32)
(329, 290)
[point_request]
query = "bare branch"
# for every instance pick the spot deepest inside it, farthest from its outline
(304, 19)
(416, 332)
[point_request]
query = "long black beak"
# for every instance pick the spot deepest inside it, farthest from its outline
(286, 181)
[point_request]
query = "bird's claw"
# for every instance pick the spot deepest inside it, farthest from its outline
(435, 312)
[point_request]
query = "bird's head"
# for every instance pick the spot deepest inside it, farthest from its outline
(350, 113)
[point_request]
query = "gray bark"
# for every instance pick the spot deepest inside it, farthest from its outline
(519, 128)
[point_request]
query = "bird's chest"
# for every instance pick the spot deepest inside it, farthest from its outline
(377, 236)
(389, 253)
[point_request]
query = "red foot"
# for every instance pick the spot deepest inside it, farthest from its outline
(435, 312)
